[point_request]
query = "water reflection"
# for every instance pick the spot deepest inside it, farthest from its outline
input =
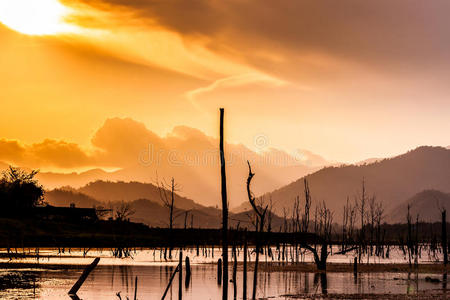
(106, 281)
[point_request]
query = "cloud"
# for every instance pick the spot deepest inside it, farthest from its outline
(119, 141)
(234, 81)
(58, 153)
(397, 34)
(50, 152)
(122, 142)
(137, 153)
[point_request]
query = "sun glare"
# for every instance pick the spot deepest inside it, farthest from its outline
(35, 17)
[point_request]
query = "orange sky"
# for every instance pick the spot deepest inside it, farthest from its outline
(348, 80)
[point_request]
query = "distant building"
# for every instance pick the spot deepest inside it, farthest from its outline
(71, 213)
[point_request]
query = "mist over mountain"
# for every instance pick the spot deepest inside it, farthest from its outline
(187, 154)
(391, 181)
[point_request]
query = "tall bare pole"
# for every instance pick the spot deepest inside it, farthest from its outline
(444, 236)
(224, 213)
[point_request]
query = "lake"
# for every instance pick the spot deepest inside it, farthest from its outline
(114, 275)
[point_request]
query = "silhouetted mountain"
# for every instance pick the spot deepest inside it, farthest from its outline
(391, 180)
(153, 214)
(65, 197)
(427, 204)
(368, 161)
(53, 180)
(198, 181)
(107, 191)
(149, 212)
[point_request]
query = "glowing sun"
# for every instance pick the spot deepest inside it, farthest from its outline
(35, 17)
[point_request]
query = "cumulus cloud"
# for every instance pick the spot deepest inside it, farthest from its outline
(121, 143)
(50, 152)
(185, 153)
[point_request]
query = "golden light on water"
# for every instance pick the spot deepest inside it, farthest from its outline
(35, 17)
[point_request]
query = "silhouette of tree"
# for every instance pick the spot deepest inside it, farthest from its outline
(124, 211)
(20, 190)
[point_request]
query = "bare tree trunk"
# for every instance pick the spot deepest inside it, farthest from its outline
(180, 276)
(244, 282)
(224, 212)
(260, 217)
(444, 236)
(171, 203)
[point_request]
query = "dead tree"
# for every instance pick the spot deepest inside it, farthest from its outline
(361, 206)
(123, 211)
(409, 235)
(167, 196)
(379, 211)
(305, 218)
(444, 236)
(224, 211)
(260, 214)
(323, 229)
(345, 225)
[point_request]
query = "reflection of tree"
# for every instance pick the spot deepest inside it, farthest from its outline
(19, 189)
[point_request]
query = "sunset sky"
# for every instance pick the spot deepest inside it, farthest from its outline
(347, 80)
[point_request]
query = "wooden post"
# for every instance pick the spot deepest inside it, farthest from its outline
(224, 211)
(244, 281)
(444, 236)
(355, 266)
(180, 277)
(188, 271)
(83, 277)
(234, 272)
(219, 271)
(135, 288)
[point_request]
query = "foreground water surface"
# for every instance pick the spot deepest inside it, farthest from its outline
(113, 276)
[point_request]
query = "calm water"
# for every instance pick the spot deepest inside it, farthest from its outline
(117, 275)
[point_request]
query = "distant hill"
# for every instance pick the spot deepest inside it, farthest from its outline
(192, 158)
(155, 214)
(64, 197)
(427, 204)
(108, 191)
(391, 180)
(52, 180)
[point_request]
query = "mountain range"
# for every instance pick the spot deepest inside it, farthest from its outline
(146, 205)
(427, 205)
(420, 177)
(392, 181)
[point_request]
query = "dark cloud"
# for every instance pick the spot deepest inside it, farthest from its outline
(398, 34)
